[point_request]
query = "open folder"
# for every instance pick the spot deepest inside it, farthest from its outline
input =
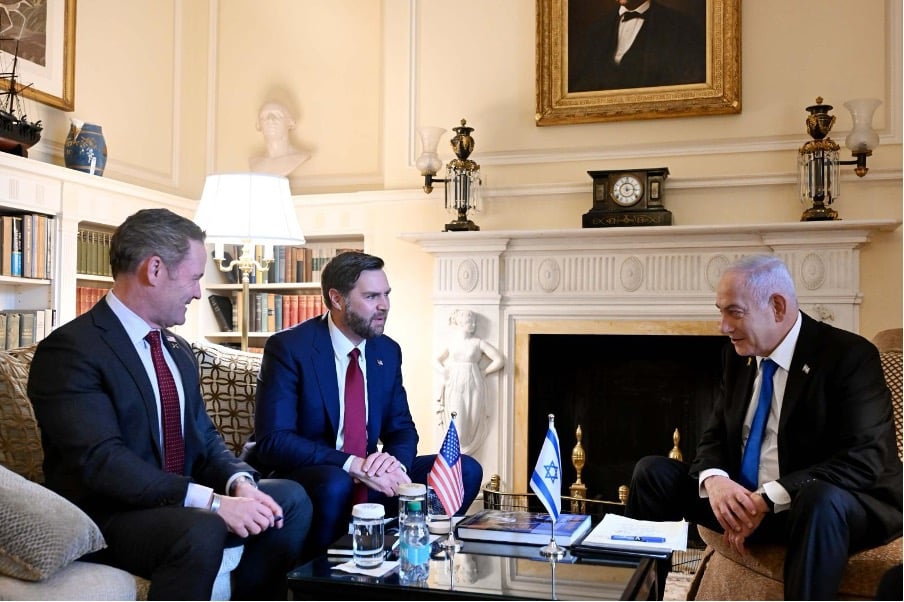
(616, 533)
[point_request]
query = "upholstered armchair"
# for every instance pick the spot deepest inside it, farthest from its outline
(726, 575)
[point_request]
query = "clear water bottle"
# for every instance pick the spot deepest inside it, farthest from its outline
(414, 545)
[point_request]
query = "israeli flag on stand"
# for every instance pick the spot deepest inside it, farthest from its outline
(546, 480)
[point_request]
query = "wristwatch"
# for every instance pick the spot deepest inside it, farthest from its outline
(241, 479)
(769, 503)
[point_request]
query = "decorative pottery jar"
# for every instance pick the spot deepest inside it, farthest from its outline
(85, 149)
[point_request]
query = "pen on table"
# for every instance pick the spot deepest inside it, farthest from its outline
(644, 538)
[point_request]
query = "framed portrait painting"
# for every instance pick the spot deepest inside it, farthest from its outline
(40, 36)
(611, 60)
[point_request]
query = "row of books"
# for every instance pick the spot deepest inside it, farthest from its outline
(269, 312)
(290, 264)
(92, 250)
(86, 297)
(24, 327)
(26, 245)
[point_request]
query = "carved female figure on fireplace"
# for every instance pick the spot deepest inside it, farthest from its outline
(465, 364)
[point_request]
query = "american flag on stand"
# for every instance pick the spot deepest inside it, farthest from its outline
(445, 476)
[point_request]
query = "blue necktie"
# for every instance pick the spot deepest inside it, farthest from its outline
(750, 463)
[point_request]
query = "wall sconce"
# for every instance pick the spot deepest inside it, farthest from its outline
(818, 161)
(462, 181)
(247, 209)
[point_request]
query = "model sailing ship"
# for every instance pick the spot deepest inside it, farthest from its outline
(17, 133)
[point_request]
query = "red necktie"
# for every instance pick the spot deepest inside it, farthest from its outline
(354, 430)
(173, 446)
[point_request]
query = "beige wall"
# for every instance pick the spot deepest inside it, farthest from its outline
(177, 85)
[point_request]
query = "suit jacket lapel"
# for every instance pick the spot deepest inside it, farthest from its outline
(376, 372)
(115, 336)
(325, 371)
(799, 374)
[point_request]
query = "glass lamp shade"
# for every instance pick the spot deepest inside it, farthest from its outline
(240, 208)
(818, 176)
(862, 138)
(429, 162)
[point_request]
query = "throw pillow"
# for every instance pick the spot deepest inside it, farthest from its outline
(42, 532)
(20, 438)
(228, 381)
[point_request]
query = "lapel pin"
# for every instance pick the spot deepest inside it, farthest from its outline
(172, 341)
(749, 361)
(379, 362)
(806, 369)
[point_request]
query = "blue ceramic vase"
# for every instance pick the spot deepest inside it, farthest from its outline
(85, 149)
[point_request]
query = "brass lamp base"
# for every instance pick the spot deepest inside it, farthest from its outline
(819, 213)
(460, 225)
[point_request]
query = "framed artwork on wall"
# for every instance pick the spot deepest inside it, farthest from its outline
(44, 33)
(676, 58)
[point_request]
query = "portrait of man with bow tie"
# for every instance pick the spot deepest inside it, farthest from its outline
(624, 44)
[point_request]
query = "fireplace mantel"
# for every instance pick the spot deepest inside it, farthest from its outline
(658, 279)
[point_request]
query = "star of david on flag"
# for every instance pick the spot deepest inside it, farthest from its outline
(546, 480)
(445, 476)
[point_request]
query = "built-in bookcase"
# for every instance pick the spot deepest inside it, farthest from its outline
(287, 294)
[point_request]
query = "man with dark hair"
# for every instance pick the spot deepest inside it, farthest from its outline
(800, 448)
(127, 438)
(638, 44)
(307, 427)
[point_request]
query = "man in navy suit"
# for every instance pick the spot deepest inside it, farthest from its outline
(96, 395)
(827, 479)
(300, 416)
(642, 43)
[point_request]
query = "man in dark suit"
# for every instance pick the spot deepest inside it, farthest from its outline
(300, 414)
(642, 43)
(826, 480)
(168, 502)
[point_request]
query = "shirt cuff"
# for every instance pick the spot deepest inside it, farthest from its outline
(778, 494)
(197, 496)
(709, 472)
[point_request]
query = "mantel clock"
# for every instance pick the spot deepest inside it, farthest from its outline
(628, 197)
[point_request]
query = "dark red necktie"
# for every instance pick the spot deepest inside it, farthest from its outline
(354, 430)
(173, 446)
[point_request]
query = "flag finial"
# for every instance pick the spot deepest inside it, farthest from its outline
(552, 419)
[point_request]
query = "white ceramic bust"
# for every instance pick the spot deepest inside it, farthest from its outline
(280, 157)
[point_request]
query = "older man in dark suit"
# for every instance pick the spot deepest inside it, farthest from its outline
(127, 438)
(816, 467)
(640, 43)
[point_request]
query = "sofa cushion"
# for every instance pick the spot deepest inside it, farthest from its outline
(20, 437)
(42, 531)
(78, 581)
(228, 381)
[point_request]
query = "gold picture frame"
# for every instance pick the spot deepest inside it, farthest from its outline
(46, 31)
(716, 91)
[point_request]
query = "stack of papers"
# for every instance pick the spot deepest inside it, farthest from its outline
(616, 532)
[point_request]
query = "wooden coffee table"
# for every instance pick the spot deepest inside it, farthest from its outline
(488, 571)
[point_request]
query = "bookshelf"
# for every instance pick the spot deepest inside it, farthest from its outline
(93, 276)
(74, 200)
(275, 304)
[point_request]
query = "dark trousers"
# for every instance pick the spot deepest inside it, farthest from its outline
(180, 549)
(331, 488)
(823, 526)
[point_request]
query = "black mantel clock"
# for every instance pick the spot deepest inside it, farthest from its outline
(628, 197)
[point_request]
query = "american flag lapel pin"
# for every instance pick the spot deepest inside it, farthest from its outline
(806, 369)
(172, 341)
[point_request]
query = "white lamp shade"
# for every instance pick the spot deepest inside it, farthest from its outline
(248, 207)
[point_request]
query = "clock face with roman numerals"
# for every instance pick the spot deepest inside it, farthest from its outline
(627, 191)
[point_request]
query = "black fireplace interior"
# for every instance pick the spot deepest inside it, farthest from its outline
(627, 392)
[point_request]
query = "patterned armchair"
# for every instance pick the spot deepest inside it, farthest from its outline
(726, 575)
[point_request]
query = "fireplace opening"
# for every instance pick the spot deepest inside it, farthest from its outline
(627, 392)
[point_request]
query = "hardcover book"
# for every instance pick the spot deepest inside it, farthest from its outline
(532, 528)
(222, 311)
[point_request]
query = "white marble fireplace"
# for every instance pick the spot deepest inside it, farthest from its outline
(643, 281)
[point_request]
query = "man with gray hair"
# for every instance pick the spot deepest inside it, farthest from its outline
(800, 448)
